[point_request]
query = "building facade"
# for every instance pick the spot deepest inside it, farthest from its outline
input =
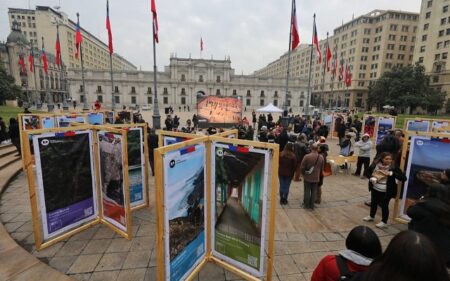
(433, 43)
(181, 81)
(43, 21)
(369, 45)
(37, 86)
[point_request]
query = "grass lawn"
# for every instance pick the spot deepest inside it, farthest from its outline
(7, 112)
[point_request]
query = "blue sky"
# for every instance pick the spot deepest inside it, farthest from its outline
(252, 32)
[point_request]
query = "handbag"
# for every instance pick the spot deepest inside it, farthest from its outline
(327, 170)
(310, 170)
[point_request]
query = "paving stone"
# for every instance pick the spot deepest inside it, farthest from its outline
(292, 277)
(97, 246)
(84, 264)
(285, 265)
(111, 261)
(333, 236)
(84, 235)
(105, 275)
(212, 272)
(81, 276)
(119, 245)
(72, 248)
(315, 237)
(137, 259)
(104, 233)
(62, 264)
(48, 252)
(137, 274)
(142, 243)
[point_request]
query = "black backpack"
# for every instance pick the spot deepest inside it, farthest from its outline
(343, 270)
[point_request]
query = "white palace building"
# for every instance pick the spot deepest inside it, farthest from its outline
(181, 81)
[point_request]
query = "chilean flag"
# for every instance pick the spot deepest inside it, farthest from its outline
(30, 60)
(294, 30)
(155, 21)
(58, 50)
(78, 40)
(44, 59)
(328, 58)
(23, 68)
(108, 27)
(316, 42)
(348, 76)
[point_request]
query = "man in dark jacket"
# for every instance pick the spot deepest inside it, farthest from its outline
(152, 142)
(14, 134)
(431, 217)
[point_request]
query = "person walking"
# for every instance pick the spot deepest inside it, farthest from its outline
(362, 247)
(14, 134)
(152, 142)
(382, 176)
(365, 146)
(286, 169)
(311, 168)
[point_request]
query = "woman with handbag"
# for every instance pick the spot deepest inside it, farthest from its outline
(323, 150)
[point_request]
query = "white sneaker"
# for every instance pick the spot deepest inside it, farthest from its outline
(368, 218)
(381, 225)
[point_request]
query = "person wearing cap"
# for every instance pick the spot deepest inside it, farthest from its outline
(263, 134)
(365, 146)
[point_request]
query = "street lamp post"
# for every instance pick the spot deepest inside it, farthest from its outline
(61, 75)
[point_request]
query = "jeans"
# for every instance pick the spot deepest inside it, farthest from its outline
(379, 198)
(285, 182)
(362, 161)
(309, 194)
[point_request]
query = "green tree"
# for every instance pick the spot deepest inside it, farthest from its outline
(8, 89)
(405, 87)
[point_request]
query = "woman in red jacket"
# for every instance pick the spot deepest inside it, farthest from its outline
(363, 245)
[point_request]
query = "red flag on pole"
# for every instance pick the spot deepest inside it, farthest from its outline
(108, 27)
(30, 60)
(44, 59)
(23, 68)
(335, 63)
(155, 21)
(294, 30)
(316, 41)
(58, 50)
(78, 40)
(348, 76)
(201, 44)
(328, 58)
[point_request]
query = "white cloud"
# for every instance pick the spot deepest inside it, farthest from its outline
(252, 32)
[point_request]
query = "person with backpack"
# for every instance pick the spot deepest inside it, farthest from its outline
(362, 247)
(301, 149)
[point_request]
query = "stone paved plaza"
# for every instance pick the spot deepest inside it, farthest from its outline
(302, 237)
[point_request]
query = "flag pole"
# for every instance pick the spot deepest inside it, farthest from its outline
(37, 98)
(61, 75)
(113, 102)
(285, 104)
(325, 62)
(49, 98)
(156, 116)
(85, 104)
(308, 97)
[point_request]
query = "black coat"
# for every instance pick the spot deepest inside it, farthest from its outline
(391, 185)
(431, 217)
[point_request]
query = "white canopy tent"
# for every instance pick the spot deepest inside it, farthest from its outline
(270, 108)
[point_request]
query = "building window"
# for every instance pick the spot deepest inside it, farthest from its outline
(441, 32)
(262, 94)
(443, 21)
(183, 100)
(100, 98)
(200, 78)
(116, 89)
(81, 89)
(218, 92)
(261, 102)
(165, 92)
(445, 9)
(149, 100)
(422, 49)
(234, 93)
(116, 99)
(183, 91)
(275, 102)
(425, 26)
(444, 56)
(248, 93)
(165, 100)
(183, 77)
(428, 15)
(429, 4)
(218, 79)
(149, 90)
(421, 60)
(133, 90)
(81, 98)
(133, 100)
(99, 89)
(248, 102)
